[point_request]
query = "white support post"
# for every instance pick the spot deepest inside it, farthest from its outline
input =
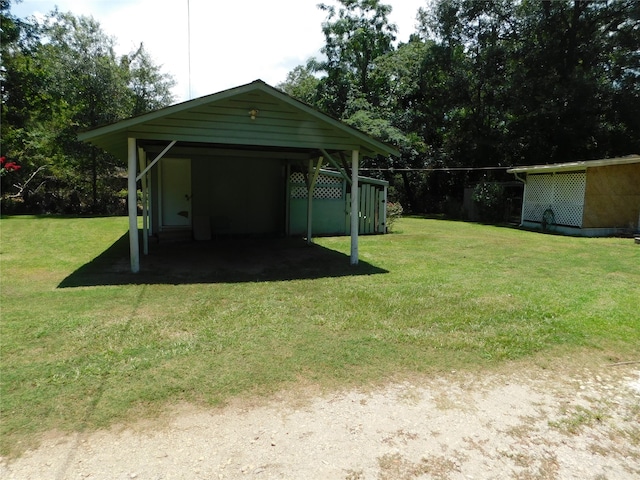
(134, 247)
(355, 221)
(142, 158)
(384, 210)
(313, 177)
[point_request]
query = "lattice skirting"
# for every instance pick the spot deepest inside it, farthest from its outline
(327, 187)
(555, 198)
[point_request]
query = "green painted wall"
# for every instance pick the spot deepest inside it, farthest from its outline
(241, 196)
(328, 217)
(246, 195)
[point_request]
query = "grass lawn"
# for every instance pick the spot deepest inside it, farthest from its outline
(434, 296)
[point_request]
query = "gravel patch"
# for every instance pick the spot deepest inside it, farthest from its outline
(531, 424)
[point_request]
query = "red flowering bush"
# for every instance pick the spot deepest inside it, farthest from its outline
(6, 167)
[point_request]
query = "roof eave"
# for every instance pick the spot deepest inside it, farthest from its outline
(128, 123)
(576, 166)
(366, 144)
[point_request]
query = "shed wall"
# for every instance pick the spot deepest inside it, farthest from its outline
(332, 206)
(239, 196)
(612, 197)
(560, 195)
(329, 207)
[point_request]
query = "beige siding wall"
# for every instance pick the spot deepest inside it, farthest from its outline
(612, 197)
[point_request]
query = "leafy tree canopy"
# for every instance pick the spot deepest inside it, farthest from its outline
(59, 76)
(481, 84)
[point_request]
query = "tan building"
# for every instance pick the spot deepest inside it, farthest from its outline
(589, 198)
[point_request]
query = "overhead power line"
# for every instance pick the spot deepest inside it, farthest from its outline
(435, 169)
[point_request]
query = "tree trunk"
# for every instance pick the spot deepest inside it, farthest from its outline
(409, 191)
(94, 180)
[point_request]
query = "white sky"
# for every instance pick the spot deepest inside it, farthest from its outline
(233, 42)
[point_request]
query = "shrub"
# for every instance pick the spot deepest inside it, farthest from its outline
(489, 198)
(394, 211)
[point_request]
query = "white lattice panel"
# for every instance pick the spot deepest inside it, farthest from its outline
(328, 192)
(329, 180)
(327, 187)
(540, 189)
(298, 192)
(538, 196)
(563, 193)
(297, 177)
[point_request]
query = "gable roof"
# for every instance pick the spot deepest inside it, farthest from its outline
(576, 166)
(225, 118)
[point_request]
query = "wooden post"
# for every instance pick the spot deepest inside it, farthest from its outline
(384, 210)
(310, 189)
(355, 223)
(313, 177)
(142, 158)
(134, 247)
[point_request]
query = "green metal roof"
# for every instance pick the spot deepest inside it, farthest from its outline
(575, 166)
(225, 119)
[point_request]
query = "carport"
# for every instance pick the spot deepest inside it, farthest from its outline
(220, 164)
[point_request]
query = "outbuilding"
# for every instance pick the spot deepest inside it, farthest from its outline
(331, 204)
(233, 163)
(588, 198)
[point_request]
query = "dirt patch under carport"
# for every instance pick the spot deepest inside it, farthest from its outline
(222, 260)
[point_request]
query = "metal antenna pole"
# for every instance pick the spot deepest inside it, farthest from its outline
(189, 44)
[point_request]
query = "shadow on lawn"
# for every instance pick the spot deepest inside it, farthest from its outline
(217, 261)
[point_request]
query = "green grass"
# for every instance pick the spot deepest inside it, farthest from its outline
(456, 296)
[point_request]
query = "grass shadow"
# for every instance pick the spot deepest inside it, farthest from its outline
(235, 260)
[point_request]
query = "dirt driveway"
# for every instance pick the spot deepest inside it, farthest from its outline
(526, 423)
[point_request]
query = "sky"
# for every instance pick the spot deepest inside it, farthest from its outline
(231, 42)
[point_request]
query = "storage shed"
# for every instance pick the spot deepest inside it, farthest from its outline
(589, 198)
(331, 205)
(222, 165)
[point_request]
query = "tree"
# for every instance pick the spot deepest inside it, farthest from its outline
(302, 84)
(90, 90)
(23, 94)
(470, 58)
(527, 82)
(61, 76)
(151, 89)
(355, 35)
(579, 73)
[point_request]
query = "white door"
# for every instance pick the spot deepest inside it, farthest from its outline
(176, 192)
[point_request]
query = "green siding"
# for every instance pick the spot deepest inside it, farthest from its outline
(331, 215)
(328, 217)
(223, 118)
(240, 197)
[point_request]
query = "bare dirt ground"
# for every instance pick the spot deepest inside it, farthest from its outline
(525, 423)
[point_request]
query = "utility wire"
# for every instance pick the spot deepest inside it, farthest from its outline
(438, 169)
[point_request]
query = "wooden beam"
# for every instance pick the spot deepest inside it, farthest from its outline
(344, 172)
(132, 191)
(345, 165)
(217, 152)
(157, 159)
